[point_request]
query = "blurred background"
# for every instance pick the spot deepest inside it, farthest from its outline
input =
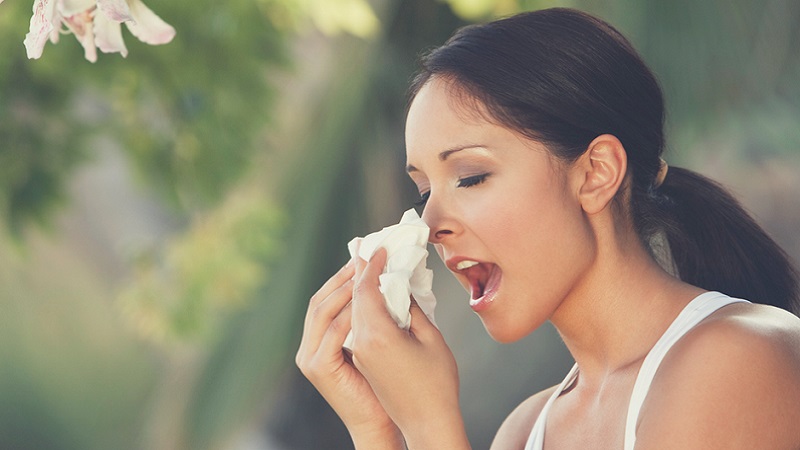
(165, 217)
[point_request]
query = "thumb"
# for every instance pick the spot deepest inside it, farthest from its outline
(421, 325)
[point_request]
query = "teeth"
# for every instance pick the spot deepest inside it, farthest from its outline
(466, 264)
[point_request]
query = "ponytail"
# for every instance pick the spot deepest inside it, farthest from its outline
(716, 244)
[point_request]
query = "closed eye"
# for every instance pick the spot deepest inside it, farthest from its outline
(463, 182)
(423, 198)
(473, 180)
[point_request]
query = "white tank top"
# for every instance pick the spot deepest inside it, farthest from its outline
(697, 310)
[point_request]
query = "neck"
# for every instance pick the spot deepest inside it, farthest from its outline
(623, 306)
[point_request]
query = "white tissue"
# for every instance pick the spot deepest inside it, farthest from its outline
(405, 273)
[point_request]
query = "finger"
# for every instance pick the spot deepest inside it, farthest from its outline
(344, 273)
(369, 271)
(369, 306)
(334, 337)
(321, 316)
(342, 276)
(421, 325)
(360, 263)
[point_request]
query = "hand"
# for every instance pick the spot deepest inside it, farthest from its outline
(322, 360)
(412, 372)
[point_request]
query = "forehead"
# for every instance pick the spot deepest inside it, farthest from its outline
(442, 115)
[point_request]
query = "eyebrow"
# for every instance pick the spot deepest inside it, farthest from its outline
(446, 153)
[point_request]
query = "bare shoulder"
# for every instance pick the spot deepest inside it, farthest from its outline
(731, 382)
(514, 431)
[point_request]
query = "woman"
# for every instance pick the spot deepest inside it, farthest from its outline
(535, 142)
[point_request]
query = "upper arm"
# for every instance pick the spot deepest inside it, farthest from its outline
(733, 383)
(514, 432)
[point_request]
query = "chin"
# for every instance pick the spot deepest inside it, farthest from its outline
(504, 334)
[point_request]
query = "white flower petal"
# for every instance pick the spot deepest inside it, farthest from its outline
(82, 27)
(72, 7)
(55, 34)
(108, 35)
(116, 10)
(147, 26)
(42, 23)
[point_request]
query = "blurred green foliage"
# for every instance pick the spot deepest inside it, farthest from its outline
(190, 117)
(186, 112)
(481, 10)
(213, 269)
(189, 111)
(40, 135)
(267, 173)
(69, 378)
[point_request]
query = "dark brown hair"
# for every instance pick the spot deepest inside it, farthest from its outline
(563, 77)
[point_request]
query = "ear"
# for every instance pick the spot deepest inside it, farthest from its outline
(601, 170)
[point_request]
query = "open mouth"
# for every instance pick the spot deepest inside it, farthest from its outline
(479, 275)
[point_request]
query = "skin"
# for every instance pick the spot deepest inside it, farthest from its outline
(565, 253)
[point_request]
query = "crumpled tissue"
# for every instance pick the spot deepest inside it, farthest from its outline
(405, 273)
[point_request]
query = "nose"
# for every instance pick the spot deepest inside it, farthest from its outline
(443, 225)
(437, 236)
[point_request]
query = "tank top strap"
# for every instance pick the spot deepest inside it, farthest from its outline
(698, 309)
(536, 438)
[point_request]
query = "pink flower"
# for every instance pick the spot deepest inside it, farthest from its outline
(96, 24)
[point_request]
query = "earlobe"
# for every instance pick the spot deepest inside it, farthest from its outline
(603, 166)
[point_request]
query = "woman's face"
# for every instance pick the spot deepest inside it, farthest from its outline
(504, 215)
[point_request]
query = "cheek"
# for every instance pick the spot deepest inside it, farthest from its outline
(531, 217)
(439, 251)
(539, 232)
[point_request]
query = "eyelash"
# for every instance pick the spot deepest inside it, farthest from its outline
(473, 180)
(463, 182)
(423, 198)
